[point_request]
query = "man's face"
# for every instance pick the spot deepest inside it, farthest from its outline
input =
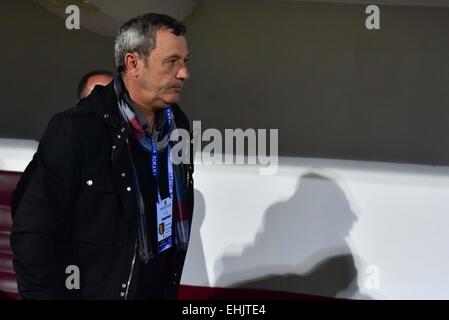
(161, 80)
(98, 79)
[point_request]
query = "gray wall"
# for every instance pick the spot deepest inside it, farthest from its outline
(333, 88)
(41, 63)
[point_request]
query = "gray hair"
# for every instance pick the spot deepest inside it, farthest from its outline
(139, 35)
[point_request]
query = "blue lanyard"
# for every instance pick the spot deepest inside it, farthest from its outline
(154, 164)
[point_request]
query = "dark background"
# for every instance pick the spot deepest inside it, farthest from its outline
(333, 88)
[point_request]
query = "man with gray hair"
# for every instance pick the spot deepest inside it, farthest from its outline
(106, 212)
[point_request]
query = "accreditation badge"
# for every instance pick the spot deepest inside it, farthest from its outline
(164, 224)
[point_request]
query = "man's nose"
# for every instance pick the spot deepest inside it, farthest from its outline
(183, 74)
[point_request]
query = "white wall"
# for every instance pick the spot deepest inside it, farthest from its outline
(324, 227)
(15, 154)
(319, 224)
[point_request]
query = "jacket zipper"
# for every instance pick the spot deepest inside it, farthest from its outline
(132, 271)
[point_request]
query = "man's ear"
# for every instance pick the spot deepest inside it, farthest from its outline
(132, 64)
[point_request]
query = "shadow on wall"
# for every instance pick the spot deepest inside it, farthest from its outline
(195, 265)
(302, 248)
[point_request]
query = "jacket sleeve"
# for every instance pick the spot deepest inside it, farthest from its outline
(180, 255)
(42, 220)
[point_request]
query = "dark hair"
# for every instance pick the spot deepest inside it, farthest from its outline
(138, 35)
(85, 78)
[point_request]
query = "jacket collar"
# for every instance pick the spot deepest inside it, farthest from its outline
(103, 102)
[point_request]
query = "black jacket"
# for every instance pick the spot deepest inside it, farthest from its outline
(77, 206)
